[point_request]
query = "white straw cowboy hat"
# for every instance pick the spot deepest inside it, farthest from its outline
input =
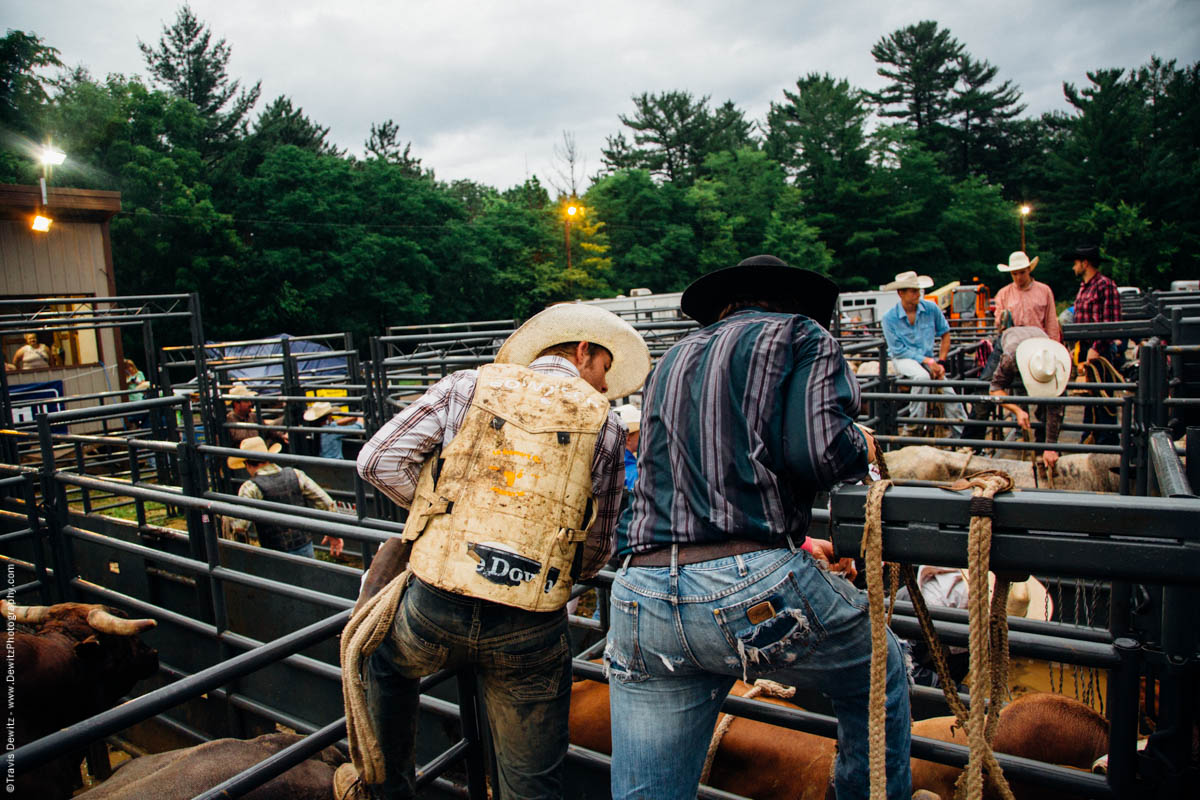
(241, 390)
(316, 411)
(1017, 260)
(254, 444)
(577, 322)
(631, 416)
(1045, 367)
(910, 280)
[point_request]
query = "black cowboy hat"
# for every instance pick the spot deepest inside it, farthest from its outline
(801, 291)
(1084, 252)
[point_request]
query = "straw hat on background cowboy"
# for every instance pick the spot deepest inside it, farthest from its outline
(317, 411)
(254, 444)
(576, 322)
(910, 280)
(1045, 367)
(631, 416)
(1018, 260)
(763, 277)
(241, 390)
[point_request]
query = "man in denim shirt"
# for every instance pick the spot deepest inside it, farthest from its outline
(910, 329)
(743, 422)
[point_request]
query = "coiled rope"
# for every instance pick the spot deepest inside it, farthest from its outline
(988, 639)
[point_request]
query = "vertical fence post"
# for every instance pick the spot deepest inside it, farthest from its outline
(468, 706)
(54, 501)
(35, 536)
(1123, 717)
(9, 450)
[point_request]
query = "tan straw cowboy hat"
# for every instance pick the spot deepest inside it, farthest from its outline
(241, 390)
(316, 411)
(1017, 260)
(1045, 367)
(254, 444)
(577, 322)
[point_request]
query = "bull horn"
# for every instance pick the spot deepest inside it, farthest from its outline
(29, 615)
(105, 622)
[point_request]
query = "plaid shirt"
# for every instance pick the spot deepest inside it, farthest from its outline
(1098, 301)
(742, 423)
(393, 458)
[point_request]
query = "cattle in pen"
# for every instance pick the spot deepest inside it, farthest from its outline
(766, 762)
(1076, 472)
(68, 662)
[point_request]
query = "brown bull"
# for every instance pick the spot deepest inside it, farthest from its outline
(1076, 472)
(770, 763)
(185, 773)
(68, 662)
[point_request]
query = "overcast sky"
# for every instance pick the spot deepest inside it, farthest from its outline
(485, 90)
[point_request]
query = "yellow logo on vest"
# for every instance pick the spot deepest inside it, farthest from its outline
(510, 480)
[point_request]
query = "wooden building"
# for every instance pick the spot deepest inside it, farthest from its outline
(72, 263)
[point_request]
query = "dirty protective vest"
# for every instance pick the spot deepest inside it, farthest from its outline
(501, 514)
(280, 487)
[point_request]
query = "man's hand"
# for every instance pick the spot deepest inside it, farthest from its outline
(823, 549)
(935, 369)
(1050, 458)
(335, 545)
(1023, 419)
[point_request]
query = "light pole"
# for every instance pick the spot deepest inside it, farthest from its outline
(572, 210)
(1025, 209)
(51, 157)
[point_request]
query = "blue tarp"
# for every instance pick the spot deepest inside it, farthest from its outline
(332, 367)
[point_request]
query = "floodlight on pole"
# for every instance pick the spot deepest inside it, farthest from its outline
(1025, 209)
(572, 210)
(52, 156)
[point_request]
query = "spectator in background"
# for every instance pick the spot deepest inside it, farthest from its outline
(135, 384)
(1027, 301)
(911, 328)
(330, 444)
(33, 355)
(241, 411)
(1097, 301)
(280, 485)
(631, 416)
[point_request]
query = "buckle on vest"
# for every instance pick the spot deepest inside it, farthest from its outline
(564, 437)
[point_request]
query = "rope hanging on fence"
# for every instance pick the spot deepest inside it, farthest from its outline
(988, 639)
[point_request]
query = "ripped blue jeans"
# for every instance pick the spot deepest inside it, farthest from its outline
(681, 636)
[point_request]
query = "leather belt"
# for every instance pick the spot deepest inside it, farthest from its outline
(695, 553)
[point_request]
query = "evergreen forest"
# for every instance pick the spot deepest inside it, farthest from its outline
(245, 200)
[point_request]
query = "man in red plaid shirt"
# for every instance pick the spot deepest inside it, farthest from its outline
(1097, 301)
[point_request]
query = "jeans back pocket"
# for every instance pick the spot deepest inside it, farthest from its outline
(771, 630)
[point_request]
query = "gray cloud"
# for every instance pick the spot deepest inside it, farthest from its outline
(484, 90)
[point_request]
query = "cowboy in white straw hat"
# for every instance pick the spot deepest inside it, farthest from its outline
(330, 444)
(1026, 301)
(1043, 367)
(242, 412)
(519, 502)
(277, 484)
(911, 328)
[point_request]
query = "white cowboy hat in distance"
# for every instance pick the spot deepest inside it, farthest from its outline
(1045, 367)
(910, 280)
(254, 444)
(1017, 260)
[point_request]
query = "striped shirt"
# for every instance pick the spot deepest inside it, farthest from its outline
(393, 458)
(742, 423)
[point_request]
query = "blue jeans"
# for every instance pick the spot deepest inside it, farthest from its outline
(307, 550)
(681, 637)
(523, 661)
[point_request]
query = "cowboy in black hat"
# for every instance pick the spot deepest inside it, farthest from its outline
(1097, 301)
(743, 422)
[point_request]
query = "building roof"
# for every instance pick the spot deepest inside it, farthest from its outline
(18, 201)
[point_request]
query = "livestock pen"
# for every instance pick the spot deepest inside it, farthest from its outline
(247, 636)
